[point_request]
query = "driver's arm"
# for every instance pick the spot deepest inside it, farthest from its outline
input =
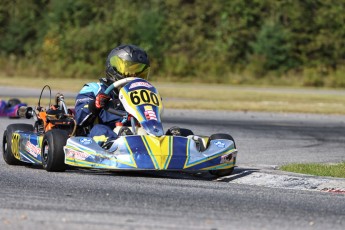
(85, 109)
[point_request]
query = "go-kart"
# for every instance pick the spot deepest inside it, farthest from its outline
(141, 145)
(22, 143)
(9, 108)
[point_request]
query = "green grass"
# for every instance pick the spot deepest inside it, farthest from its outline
(215, 97)
(331, 170)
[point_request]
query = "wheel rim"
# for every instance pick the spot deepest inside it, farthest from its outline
(45, 153)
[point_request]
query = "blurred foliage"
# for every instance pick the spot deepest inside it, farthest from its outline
(237, 41)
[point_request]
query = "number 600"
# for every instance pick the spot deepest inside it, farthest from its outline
(144, 96)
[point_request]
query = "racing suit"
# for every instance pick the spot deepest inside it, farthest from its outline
(88, 116)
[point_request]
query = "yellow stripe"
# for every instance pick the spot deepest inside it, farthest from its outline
(221, 166)
(156, 162)
(206, 159)
(87, 164)
(134, 164)
(159, 149)
(134, 107)
(170, 152)
(187, 154)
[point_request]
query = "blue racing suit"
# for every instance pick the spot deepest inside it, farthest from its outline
(101, 122)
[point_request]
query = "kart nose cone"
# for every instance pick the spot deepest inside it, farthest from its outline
(154, 128)
(158, 132)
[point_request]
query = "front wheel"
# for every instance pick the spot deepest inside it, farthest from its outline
(177, 131)
(221, 172)
(223, 136)
(53, 156)
(7, 141)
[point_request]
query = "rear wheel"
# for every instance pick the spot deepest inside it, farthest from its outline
(221, 172)
(7, 147)
(53, 156)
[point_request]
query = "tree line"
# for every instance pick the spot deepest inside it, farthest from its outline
(220, 41)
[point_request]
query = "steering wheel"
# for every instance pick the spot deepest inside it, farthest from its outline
(118, 84)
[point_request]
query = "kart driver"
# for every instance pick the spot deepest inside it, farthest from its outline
(91, 102)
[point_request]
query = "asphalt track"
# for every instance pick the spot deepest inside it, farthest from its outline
(31, 198)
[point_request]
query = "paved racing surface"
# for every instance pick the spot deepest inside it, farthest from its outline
(31, 198)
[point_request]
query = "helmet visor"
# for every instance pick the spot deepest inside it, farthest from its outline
(129, 68)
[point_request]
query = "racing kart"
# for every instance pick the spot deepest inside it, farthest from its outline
(22, 143)
(9, 108)
(141, 145)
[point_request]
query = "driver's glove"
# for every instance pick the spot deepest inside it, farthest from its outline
(101, 100)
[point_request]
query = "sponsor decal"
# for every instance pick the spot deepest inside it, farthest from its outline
(220, 144)
(76, 154)
(226, 158)
(32, 149)
(149, 113)
(85, 141)
(140, 84)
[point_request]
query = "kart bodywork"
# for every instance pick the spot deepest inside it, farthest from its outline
(145, 147)
(151, 153)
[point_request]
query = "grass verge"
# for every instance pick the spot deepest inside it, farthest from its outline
(331, 170)
(216, 97)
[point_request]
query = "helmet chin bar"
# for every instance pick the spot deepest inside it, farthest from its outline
(118, 76)
(113, 75)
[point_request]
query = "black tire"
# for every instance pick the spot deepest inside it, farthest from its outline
(221, 172)
(7, 143)
(183, 132)
(53, 156)
(186, 132)
(220, 136)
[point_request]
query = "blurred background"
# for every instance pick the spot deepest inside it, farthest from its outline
(238, 42)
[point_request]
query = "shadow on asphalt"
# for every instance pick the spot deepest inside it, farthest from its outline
(187, 175)
(238, 173)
